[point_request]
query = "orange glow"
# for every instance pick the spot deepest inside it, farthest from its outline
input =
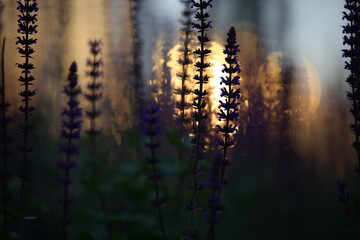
(157, 69)
(269, 77)
(216, 60)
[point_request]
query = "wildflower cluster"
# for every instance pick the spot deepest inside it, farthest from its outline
(94, 93)
(352, 40)
(183, 105)
(151, 128)
(199, 115)
(27, 27)
(70, 132)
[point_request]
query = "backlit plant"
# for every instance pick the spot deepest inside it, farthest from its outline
(184, 91)
(27, 27)
(151, 129)
(94, 93)
(228, 116)
(351, 39)
(70, 133)
(202, 25)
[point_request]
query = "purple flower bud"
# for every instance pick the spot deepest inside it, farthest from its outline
(150, 122)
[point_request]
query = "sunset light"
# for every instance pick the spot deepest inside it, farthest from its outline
(179, 119)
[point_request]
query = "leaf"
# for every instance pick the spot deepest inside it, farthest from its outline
(174, 137)
(92, 185)
(103, 156)
(132, 136)
(83, 234)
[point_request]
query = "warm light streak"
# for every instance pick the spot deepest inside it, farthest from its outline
(269, 78)
(158, 74)
(216, 60)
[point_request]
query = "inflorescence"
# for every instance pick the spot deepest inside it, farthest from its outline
(70, 132)
(151, 129)
(352, 40)
(228, 115)
(94, 94)
(27, 27)
(199, 115)
(185, 60)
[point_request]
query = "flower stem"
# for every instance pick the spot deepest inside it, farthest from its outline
(157, 195)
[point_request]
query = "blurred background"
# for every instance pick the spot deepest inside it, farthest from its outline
(291, 148)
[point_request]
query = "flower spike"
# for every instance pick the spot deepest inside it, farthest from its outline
(70, 133)
(27, 27)
(199, 114)
(228, 116)
(351, 38)
(150, 123)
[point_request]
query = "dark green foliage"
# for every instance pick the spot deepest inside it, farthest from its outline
(175, 138)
